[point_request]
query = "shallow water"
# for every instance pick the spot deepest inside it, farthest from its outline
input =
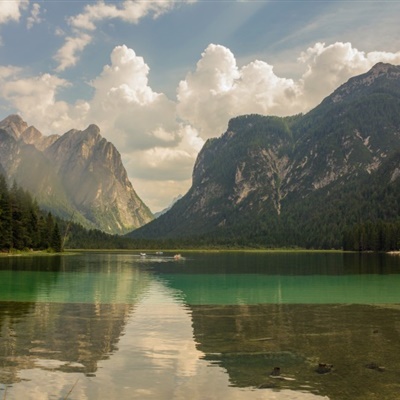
(210, 326)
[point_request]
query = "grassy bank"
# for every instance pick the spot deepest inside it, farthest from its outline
(33, 253)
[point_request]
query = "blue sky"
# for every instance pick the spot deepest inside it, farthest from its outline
(159, 78)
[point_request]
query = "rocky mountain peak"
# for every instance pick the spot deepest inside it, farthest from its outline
(378, 76)
(93, 174)
(92, 132)
(14, 125)
(33, 136)
(93, 128)
(379, 70)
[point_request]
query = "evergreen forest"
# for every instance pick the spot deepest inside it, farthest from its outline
(23, 226)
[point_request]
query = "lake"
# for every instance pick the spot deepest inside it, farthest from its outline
(235, 326)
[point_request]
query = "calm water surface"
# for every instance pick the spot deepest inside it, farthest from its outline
(211, 326)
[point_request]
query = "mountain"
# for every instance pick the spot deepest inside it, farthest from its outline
(164, 210)
(300, 180)
(79, 174)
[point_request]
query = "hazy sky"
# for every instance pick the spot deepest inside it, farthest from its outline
(160, 78)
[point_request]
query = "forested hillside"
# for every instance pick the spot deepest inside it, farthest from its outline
(23, 225)
(307, 180)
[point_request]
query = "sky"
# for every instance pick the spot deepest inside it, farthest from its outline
(161, 77)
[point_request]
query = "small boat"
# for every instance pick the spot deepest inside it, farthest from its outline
(142, 254)
(159, 253)
(177, 257)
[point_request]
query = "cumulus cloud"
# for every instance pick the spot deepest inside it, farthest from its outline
(126, 105)
(11, 10)
(36, 99)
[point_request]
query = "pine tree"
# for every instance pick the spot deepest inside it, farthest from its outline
(56, 241)
(16, 214)
(5, 216)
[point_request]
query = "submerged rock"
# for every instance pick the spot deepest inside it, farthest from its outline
(276, 371)
(324, 368)
(375, 366)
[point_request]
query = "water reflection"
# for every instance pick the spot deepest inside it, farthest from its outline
(286, 289)
(284, 264)
(146, 351)
(114, 326)
(249, 341)
(83, 279)
(64, 315)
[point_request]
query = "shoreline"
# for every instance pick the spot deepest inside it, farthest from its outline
(203, 250)
(34, 253)
(44, 253)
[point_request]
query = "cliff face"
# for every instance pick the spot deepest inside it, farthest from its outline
(266, 174)
(79, 173)
(94, 176)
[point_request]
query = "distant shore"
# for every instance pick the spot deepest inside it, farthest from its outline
(205, 250)
(33, 253)
(44, 253)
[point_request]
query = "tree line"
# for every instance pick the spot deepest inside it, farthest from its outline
(23, 226)
(372, 236)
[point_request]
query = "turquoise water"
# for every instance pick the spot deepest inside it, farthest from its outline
(210, 326)
(203, 279)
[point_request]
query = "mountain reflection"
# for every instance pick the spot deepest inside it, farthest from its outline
(65, 315)
(76, 335)
(249, 341)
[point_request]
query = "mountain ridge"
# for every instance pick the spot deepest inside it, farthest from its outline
(254, 182)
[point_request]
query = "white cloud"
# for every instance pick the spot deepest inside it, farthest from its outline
(129, 11)
(68, 55)
(11, 10)
(36, 99)
(128, 74)
(128, 108)
(34, 18)
(8, 72)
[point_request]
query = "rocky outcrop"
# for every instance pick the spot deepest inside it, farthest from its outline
(14, 125)
(32, 136)
(94, 176)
